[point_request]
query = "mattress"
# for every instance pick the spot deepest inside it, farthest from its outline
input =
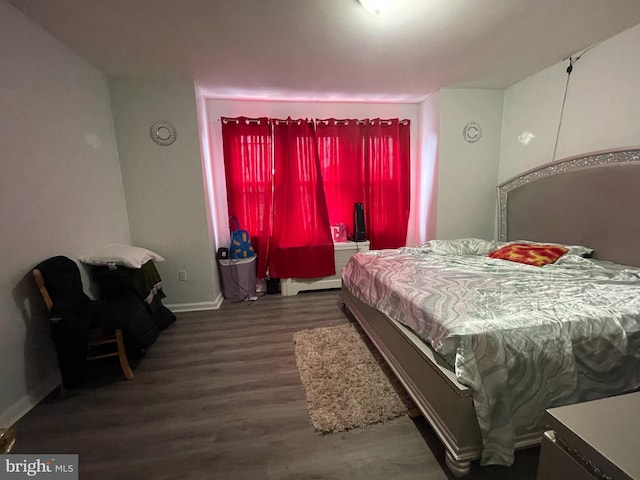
(522, 338)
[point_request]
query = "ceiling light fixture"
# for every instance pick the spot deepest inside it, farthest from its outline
(376, 7)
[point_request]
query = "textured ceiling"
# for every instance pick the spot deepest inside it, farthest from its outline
(330, 49)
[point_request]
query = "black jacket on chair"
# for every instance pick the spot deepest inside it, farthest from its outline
(73, 314)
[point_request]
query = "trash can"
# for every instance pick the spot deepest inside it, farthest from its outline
(238, 278)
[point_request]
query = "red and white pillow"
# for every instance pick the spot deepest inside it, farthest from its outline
(529, 253)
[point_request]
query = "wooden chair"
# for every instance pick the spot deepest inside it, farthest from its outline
(103, 343)
(7, 439)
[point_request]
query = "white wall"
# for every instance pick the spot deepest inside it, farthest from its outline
(467, 172)
(164, 187)
(61, 192)
(601, 110)
(426, 180)
(235, 108)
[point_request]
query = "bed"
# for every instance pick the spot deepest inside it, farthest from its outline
(482, 386)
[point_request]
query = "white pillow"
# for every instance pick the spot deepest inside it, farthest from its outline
(122, 255)
(458, 246)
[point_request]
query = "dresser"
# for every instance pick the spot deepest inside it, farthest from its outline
(342, 253)
(592, 440)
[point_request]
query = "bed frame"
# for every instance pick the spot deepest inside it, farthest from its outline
(590, 200)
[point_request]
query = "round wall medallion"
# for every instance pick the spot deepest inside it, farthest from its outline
(163, 133)
(472, 132)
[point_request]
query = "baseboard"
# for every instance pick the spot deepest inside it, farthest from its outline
(197, 306)
(20, 408)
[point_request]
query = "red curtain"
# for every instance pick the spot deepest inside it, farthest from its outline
(301, 245)
(319, 175)
(341, 152)
(387, 187)
(368, 161)
(247, 150)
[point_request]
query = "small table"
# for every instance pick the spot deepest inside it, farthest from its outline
(592, 440)
(342, 252)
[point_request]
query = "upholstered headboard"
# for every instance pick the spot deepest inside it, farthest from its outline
(591, 200)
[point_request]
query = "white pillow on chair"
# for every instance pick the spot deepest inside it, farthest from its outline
(121, 255)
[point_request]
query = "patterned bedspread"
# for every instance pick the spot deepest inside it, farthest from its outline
(523, 338)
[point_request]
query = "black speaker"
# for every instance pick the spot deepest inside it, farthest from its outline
(358, 223)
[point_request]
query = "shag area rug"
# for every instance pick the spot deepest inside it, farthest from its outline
(346, 385)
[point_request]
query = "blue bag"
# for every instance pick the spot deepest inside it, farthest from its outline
(241, 246)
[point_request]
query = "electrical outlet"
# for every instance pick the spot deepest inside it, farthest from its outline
(182, 275)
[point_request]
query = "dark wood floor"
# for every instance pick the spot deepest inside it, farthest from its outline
(218, 396)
